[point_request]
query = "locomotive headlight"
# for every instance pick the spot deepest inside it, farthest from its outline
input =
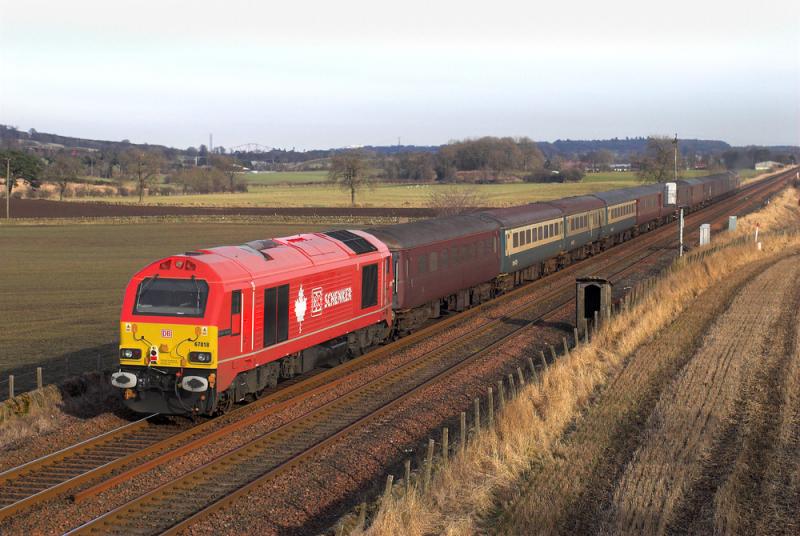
(200, 357)
(130, 353)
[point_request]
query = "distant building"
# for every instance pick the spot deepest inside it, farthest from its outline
(767, 164)
(620, 167)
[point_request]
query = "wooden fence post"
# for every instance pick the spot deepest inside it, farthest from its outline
(407, 476)
(544, 361)
(553, 353)
(477, 403)
(463, 444)
(428, 466)
(387, 491)
(566, 346)
(512, 388)
(445, 445)
(39, 379)
(490, 404)
(501, 396)
(534, 377)
(521, 376)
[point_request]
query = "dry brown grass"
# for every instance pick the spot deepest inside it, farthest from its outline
(530, 432)
(38, 413)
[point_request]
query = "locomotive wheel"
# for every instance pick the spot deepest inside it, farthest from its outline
(225, 403)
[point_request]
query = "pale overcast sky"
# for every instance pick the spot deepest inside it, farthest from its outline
(337, 73)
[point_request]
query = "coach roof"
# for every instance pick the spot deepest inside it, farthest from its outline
(420, 233)
(523, 215)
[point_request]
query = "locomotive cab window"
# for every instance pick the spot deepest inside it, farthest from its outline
(236, 312)
(369, 286)
(171, 297)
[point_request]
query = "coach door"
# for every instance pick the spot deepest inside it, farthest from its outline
(276, 315)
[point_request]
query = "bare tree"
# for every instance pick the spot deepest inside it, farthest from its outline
(227, 165)
(349, 170)
(455, 199)
(143, 167)
(658, 161)
(63, 170)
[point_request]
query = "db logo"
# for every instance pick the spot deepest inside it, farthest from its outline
(166, 333)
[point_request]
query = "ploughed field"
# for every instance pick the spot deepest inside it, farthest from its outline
(62, 285)
(698, 434)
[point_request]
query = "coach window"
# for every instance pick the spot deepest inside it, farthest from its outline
(422, 264)
(444, 258)
(236, 312)
(528, 235)
(516, 240)
(369, 286)
(433, 261)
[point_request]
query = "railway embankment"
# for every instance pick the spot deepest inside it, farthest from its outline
(681, 414)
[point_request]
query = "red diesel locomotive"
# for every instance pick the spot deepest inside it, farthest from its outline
(203, 330)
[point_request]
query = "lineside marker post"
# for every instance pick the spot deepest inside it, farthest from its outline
(428, 466)
(39, 379)
(445, 445)
(463, 444)
(490, 406)
(10, 386)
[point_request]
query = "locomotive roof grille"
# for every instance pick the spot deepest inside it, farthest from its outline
(357, 244)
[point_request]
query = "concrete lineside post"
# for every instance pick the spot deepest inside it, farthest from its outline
(553, 353)
(10, 386)
(512, 388)
(39, 379)
(544, 361)
(521, 376)
(566, 346)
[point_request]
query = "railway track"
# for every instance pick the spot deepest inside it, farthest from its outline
(174, 443)
(179, 503)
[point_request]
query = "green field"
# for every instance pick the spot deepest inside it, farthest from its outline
(286, 177)
(311, 189)
(61, 286)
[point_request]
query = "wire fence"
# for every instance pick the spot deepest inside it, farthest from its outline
(54, 371)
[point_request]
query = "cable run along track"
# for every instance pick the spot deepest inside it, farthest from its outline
(180, 502)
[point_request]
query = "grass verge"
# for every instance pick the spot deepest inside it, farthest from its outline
(530, 431)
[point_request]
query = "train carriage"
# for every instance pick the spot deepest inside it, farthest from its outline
(210, 327)
(530, 235)
(584, 217)
(620, 213)
(445, 262)
(690, 193)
